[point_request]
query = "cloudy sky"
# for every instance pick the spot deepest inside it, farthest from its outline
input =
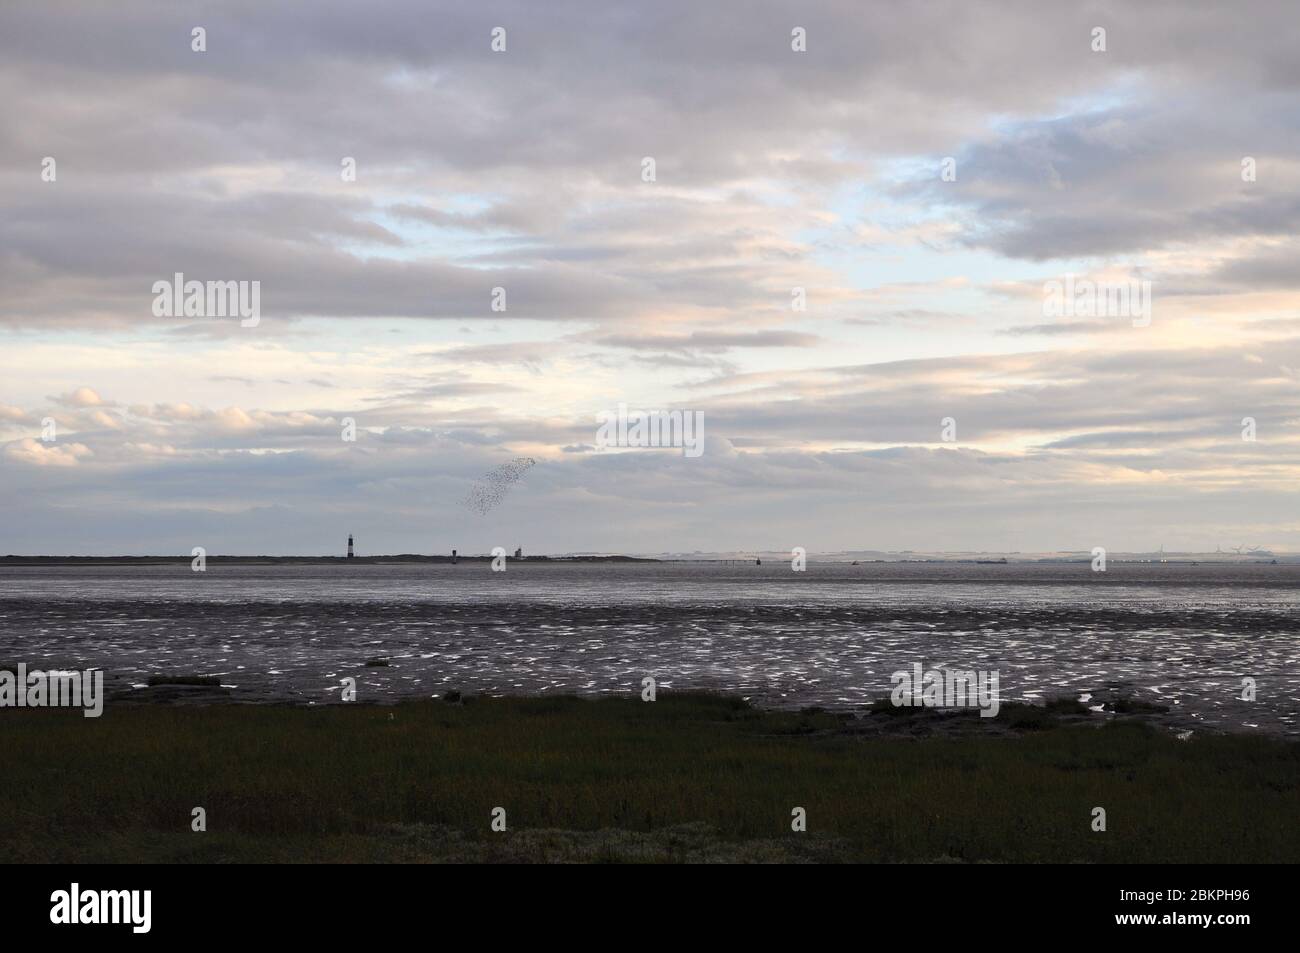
(774, 169)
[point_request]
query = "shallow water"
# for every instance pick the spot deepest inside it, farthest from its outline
(1180, 635)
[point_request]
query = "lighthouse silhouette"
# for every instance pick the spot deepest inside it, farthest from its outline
(349, 546)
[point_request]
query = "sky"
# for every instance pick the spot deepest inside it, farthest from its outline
(922, 171)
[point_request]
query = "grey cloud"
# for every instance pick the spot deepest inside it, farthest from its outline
(523, 171)
(716, 342)
(226, 163)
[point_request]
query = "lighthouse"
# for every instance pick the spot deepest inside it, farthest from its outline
(350, 554)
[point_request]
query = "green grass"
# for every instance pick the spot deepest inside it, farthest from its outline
(687, 777)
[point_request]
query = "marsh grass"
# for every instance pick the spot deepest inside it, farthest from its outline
(688, 777)
(1130, 706)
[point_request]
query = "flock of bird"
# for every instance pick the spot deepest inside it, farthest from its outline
(496, 483)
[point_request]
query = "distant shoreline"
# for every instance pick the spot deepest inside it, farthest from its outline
(307, 560)
(418, 559)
